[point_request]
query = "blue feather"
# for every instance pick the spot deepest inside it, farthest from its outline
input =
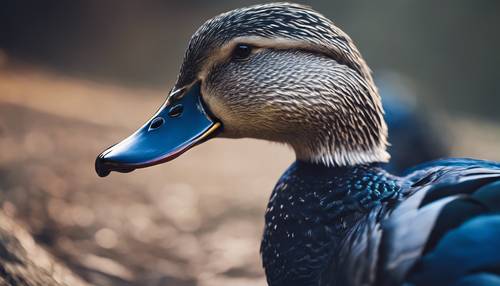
(471, 248)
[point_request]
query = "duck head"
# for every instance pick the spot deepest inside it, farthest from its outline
(279, 72)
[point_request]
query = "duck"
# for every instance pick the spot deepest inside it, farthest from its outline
(285, 73)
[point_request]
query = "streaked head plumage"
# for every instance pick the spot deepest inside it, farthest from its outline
(304, 83)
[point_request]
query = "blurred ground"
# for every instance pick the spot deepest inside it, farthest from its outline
(24, 262)
(194, 221)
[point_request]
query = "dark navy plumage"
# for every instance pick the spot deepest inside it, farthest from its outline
(363, 226)
(311, 210)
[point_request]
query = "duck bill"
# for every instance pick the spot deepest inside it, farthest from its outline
(180, 124)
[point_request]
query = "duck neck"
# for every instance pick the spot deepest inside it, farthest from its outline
(327, 152)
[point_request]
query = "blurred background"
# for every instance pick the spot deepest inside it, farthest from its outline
(77, 76)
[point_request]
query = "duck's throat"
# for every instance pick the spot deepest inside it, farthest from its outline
(324, 149)
(310, 211)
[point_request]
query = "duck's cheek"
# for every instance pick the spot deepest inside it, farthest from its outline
(228, 120)
(239, 108)
(217, 108)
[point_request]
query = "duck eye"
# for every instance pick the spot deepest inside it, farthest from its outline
(242, 51)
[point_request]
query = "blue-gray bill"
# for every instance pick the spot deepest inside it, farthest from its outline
(181, 123)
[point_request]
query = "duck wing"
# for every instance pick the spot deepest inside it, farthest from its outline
(447, 232)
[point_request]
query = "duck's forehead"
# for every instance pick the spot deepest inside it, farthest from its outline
(276, 20)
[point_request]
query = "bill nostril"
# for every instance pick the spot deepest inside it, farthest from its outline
(156, 123)
(177, 94)
(176, 110)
